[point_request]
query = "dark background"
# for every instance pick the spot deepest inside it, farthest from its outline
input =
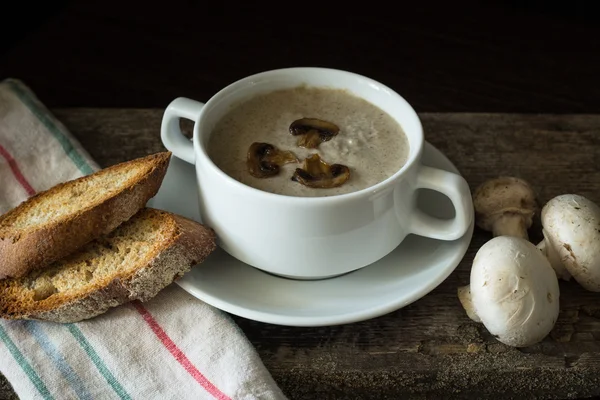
(495, 56)
(442, 56)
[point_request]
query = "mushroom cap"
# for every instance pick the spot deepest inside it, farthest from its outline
(514, 291)
(313, 131)
(572, 227)
(264, 160)
(317, 173)
(504, 195)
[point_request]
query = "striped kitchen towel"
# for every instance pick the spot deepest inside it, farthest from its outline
(172, 347)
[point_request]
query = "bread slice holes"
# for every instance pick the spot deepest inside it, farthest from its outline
(75, 193)
(108, 245)
(89, 275)
(43, 289)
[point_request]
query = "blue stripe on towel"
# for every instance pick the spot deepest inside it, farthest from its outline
(55, 355)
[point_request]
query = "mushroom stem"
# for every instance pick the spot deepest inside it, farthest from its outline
(554, 258)
(505, 206)
(510, 225)
(464, 295)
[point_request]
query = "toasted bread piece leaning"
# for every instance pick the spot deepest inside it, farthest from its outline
(58, 221)
(134, 262)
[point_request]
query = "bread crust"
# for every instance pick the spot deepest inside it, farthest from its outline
(22, 251)
(191, 245)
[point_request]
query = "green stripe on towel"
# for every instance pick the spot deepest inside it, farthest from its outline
(20, 359)
(36, 330)
(64, 141)
(87, 347)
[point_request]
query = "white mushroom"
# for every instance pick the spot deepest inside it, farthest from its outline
(514, 291)
(505, 206)
(464, 295)
(513, 288)
(571, 228)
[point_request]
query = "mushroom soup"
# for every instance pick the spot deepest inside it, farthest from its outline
(308, 141)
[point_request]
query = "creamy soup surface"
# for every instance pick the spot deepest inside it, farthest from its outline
(369, 142)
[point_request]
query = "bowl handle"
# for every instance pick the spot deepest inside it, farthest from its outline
(457, 189)
(170, 131)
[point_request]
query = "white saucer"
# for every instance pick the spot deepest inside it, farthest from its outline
(411, 271)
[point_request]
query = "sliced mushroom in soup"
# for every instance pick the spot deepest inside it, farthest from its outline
(317, 173)
(265, 160)
(313, 131)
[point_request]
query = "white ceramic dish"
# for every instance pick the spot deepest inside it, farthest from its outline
(337, 234)
(411, 271)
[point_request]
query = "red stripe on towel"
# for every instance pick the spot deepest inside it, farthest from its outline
(177, 353)
(16, 171)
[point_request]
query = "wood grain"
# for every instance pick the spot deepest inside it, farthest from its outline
(429, 349)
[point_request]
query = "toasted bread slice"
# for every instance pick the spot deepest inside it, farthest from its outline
(134, 262)
(56, 222)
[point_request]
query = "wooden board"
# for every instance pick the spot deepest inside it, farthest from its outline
(429, 349)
